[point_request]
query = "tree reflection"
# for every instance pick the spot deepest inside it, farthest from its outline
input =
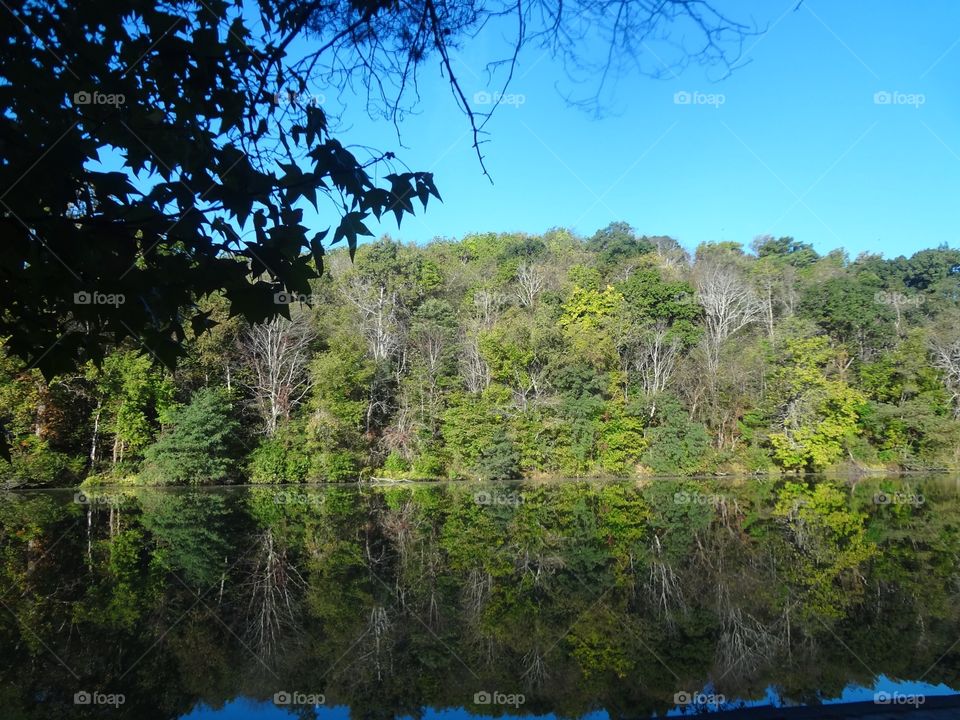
(392, 599)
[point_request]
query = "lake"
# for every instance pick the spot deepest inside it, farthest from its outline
(573, 599)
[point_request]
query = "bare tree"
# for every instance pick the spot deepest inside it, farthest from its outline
(277, 354)
(654, 357)
(729, 305)
(476, 372)
(487, 307)
(530, 283)
(378, 310)
(430, 342)
(383, 47)
(273, 585)
(946, 358)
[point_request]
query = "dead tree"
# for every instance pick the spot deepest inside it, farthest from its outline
(277, 354)
(946, 358)
(729, 305)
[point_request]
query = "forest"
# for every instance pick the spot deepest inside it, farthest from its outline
(500, 356)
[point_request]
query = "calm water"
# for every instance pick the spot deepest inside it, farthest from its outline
(571, 599)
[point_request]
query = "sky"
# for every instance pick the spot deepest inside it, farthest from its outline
(897, 692)
(840, 127)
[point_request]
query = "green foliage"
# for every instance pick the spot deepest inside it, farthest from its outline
(473, 430)
(198, 445)
(598, 573)
(338, 406)
(830, 546)
(338, 466)
(676, 444)
(586, 321)
(618, 243)
(818, 413)
(32, 462)
(133, 396)
(848, 309)
(282, 458)
(620, 441)
(497, 460)
(506, 355)
(788, 250)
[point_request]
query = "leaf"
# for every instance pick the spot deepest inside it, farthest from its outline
(316, 247)
(351, 225)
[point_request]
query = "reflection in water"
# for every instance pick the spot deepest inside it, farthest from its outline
(565, 598)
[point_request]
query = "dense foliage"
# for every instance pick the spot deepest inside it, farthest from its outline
(498, 356)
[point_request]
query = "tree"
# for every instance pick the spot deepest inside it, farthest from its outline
(220, 137)
(587, 322)
(617, 245)
(338, 409)
(198, 444)
(659, 324)
(786, 250)
(946, 358)
(277, 353)
(816, 415)
(530, 283)
(677, 444)
(216, 165)
(848, 309)
(132, 394)
(729, 304)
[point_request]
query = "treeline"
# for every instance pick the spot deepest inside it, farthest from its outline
(499, 356)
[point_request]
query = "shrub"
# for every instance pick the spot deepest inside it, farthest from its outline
(499, 460)
(343, 466)
(678, 445)
(281, 458)
(395, 464)
(32, 462)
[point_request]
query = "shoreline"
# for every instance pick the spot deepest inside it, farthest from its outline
(385, 482)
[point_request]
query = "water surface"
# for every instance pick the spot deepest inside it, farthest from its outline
(562, 599)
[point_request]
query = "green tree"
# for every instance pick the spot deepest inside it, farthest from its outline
(198, 444)
(816, 415)
(132, 394)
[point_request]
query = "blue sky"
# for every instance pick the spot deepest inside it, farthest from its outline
(799, 146)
